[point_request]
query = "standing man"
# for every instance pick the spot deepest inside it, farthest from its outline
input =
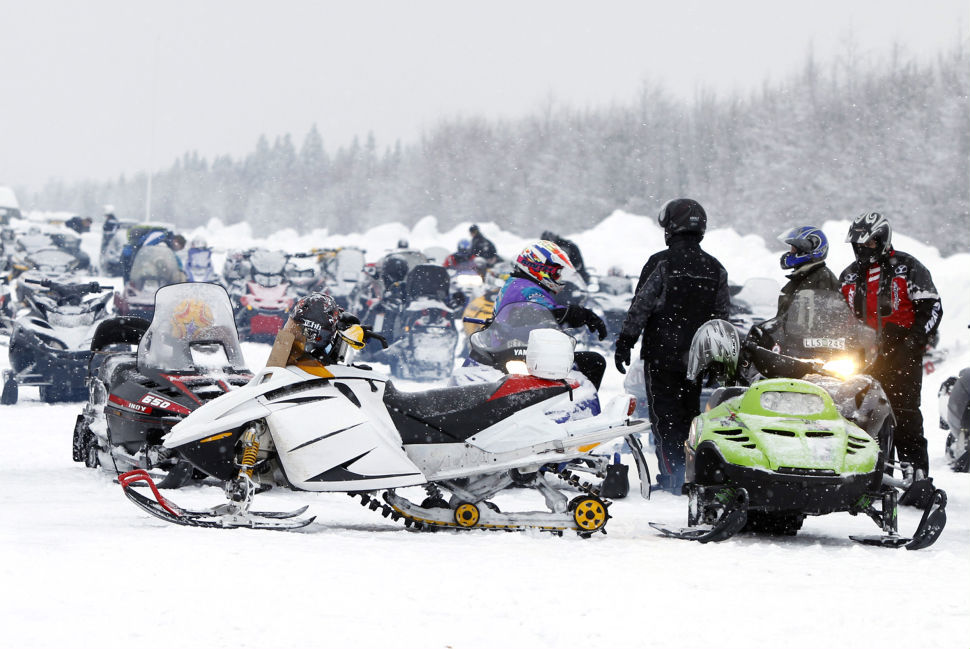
(680, 289)
(482, 247)
(894, 294)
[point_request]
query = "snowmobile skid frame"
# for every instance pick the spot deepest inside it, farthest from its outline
(585, 514)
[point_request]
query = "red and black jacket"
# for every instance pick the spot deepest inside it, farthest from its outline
(896, 294)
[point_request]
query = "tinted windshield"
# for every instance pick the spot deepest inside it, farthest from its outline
(268, 262)
(512, 325)
(821, 320)
(192, 330)
(156, 263)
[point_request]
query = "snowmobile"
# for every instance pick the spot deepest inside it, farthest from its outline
(262, 299)
(153, 267)
(954, 403)
(337, 427)
(340, 273)
(144, 377)
(49, 342)
(198, 265)
(498, 350)
(424, 332)
(764, 457)
(611, 302)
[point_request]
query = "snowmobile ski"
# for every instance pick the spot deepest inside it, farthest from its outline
(227, 515)
(930, 527)
(731, 521)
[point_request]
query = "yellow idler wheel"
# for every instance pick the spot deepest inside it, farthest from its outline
(589, 513)
(467, 515)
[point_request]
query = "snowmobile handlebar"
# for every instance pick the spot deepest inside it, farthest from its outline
(370, 335)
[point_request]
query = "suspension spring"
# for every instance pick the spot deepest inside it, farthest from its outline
(250, 446)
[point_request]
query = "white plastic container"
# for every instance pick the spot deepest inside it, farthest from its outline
(549, 354)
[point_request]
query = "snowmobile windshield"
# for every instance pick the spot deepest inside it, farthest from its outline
(344, 270)
(192, 330)
(760, 293)
(792, 403)
(615, 285)
(511, 326)
(820, 324)
(268, 262)
(156, 264)
(427, 281)
(34, 241)
(52, 260)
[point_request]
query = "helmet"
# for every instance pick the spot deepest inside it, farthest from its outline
(473, 229)
(109, 210)
(809, 242)
(317, 315)
(715, 348)
(870, 227)
(402, 243)
(198, 242)
(543, 261)
(682, 215)
(394, 269)
(464, 245)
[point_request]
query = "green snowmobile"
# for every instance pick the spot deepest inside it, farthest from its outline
(763, 457)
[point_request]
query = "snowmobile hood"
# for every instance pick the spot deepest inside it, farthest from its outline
(786, 425)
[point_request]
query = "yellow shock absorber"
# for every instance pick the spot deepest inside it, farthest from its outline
(250, 444)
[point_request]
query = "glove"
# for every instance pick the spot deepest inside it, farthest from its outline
(346, 320)
(622, 355)
(579, 316)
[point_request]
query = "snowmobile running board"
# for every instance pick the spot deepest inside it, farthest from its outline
(227, 515)
(734, 518)
(930, 527)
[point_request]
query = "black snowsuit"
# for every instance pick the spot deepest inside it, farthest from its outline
(680, 289)
(484, 248)
(898, 299)
(814, 276)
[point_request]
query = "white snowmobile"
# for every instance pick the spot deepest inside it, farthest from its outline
(323, 425)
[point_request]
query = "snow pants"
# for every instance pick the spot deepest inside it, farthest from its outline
(902, 380)
(674, 402)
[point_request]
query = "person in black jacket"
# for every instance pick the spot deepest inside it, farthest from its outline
(893, 293)
(483, 248)
(571, 250)
(680, 289)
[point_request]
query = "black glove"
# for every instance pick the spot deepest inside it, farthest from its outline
(622, 355)
(346, 320)
(579, 316)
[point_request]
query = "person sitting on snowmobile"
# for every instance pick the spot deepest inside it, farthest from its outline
(806, 260)
(537, 271)
(462, 259)
(893, 293)
(308, 337)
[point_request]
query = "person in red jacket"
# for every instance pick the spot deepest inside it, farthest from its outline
(893, 293)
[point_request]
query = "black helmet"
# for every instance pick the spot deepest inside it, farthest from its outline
(870, 227)
(317, 315)
(682, 215)
(394, 269)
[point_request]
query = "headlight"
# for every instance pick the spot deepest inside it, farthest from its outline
(516, 367)
(841, 367)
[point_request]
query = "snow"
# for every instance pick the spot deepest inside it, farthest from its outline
(84, 568)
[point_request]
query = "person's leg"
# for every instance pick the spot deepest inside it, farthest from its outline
(673, 404)
(592, 365)
(903, 384)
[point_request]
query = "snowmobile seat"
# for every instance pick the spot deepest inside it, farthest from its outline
(722, 394)
(117, 367)
(120, 330)
(449, 415)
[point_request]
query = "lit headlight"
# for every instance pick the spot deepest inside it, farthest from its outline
(516, 367)
(841, 367)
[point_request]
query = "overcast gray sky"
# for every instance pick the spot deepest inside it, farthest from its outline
(83, 83)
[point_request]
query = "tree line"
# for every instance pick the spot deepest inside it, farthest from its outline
(890, 133)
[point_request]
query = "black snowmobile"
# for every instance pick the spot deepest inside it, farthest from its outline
(145, 377)
(50, 343)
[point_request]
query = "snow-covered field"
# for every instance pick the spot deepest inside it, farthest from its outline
(82, 567)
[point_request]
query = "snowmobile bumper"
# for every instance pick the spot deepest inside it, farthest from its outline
(809, 491)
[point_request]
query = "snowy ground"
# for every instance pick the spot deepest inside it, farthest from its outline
(82, 567)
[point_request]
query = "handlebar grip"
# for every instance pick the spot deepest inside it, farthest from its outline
(381, 339)
(475, 321)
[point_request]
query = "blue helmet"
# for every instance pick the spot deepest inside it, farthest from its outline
(809, 243)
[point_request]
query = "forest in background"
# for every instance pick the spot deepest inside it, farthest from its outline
(839, 137)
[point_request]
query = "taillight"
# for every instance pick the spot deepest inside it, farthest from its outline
(632, 408)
